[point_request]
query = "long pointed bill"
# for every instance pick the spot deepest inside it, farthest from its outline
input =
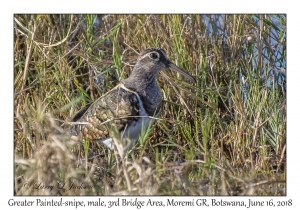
(171, 66)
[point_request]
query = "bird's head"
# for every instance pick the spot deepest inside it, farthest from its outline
(153, 60)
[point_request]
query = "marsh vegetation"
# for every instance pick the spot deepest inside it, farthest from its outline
(224, 135)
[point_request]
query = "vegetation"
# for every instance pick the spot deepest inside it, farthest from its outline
(224, 135)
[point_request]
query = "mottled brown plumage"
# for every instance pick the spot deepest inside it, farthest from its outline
(116, 108)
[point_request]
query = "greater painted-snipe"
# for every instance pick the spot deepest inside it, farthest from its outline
(129, 106)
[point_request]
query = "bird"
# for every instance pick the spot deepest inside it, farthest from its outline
(130, 106)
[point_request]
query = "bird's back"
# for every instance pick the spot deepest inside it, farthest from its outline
(119, 108)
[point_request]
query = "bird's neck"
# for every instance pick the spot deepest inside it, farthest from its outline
(147, 88)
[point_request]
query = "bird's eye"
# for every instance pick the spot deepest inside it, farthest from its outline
(153, 55)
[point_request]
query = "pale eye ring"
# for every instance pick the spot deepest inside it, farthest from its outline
(153, 55)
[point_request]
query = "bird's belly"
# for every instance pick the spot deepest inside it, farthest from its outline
(136, 128)
(132, 133)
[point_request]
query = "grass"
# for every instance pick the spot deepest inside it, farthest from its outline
(224, 135)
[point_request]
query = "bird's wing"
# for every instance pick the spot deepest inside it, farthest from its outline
(119, 108)
(79, 114)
